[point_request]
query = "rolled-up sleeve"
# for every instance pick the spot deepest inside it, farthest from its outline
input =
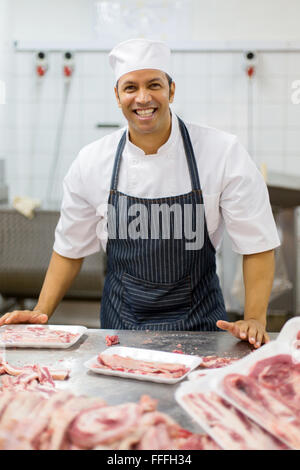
(245, 204)
(75, 234)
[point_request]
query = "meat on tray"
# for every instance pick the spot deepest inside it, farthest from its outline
(265, 406)
(137, 366)
(215, 362)
(229, 425)
(111, 340)
(282, 375)
(30, 377)
(36, 334)
(63, 421)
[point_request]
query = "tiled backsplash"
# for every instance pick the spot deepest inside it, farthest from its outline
(211, 89)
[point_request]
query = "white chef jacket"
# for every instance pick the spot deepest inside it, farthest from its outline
(234, 192)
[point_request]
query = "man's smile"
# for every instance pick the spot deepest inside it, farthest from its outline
(145, 113)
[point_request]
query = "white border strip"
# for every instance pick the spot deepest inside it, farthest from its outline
(183, 46)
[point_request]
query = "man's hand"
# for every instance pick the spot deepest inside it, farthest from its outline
(23, 316)
(248, 330)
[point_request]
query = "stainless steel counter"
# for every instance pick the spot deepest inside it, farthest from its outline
(116, 390)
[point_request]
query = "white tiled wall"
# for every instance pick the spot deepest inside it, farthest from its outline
(211, 88)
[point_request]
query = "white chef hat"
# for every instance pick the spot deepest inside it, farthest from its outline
(139, 54)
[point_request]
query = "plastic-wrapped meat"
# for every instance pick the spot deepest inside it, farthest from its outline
(281, 375)
(136, 366)
(265, 407)
(111, 340)
(228, 425)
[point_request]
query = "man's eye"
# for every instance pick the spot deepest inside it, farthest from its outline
(129, 88)
(156, 85)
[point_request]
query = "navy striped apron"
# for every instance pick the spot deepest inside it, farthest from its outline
(153, 281)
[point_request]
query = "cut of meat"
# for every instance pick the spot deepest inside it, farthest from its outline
(104, 425)
(29, 421)
(265, 407)
(135, 366)
(200, 442)
(280, 374)
(36, 335)
(65, 415)
(228, 425)
(30, 377)
(111, 340)
(215, 362)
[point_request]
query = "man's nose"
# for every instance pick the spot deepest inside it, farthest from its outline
(143, 96)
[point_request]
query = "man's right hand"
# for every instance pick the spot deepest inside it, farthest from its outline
(23, 316)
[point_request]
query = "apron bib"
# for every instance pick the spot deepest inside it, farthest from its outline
(157, 278)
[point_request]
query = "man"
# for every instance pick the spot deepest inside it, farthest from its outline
(156, 175)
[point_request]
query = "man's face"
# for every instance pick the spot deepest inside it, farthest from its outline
(144, 97)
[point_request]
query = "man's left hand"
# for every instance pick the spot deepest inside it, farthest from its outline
(247, 330)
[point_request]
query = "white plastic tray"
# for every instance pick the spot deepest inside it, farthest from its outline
(201, 373)
(146, 355)
(80, 330)
(289, 331)
(205, 386)
(243, 367)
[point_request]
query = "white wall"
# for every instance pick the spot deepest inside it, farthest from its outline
(54, 20)
(6, 111)
(211, 87)
(210, 20)
(269, 20)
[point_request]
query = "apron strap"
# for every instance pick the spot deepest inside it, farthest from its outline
(115, 173)
(190, 156)
(189, 152)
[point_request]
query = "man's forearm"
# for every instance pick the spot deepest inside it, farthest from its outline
(258, 272)
(59, 277)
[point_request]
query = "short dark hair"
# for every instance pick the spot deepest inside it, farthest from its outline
(170, 81)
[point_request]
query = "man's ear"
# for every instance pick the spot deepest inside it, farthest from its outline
(172, 92)
(117, 96)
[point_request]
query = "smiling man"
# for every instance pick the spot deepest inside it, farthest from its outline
(189, 176)
(148, 115)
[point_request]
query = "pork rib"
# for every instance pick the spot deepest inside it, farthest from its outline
(265, 407)
(281, 375)
(230, 426)
(128, 364)
(36, 334)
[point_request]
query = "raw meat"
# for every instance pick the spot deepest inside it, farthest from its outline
(200, 442)
(228, 425)
(110, 340)
(30, 377)
(280, 374)
(215, 362)
(36, 335)
(104, 425)
(265, 406)
(30, 421)
(135, 366)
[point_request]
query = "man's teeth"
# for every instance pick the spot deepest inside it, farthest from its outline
(145, 112)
